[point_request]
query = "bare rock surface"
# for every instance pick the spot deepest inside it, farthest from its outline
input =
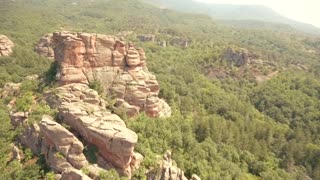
(45, 47)
(81, 108)
(31, 138)
(167, 170)
(240, 57)
(64, 141)
(119, 66)
(74, 174)
(6, 46)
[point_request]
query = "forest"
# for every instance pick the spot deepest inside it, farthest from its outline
(221, 128)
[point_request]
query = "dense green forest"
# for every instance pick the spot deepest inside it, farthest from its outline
(230, 128)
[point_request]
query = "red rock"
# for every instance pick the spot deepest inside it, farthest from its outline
(64, 141)
(119, 66)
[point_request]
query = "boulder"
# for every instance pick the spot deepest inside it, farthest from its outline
(64, 141)
(18, 118)
(6, 46)
(74, 174)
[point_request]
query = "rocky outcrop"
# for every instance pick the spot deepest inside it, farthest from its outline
(167, 170)
(74, 174)
(147, 38)
(31, 138)
(81, 108)
(119, 66)
(178, 41)
(18, 118)
(6, 45)
(10, 89)
(45, 47)
(240, 57)
(16, 153)
(63, 141)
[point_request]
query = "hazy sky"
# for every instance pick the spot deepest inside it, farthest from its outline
(307, 11)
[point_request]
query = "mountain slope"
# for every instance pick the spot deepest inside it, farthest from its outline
(228, 128)
(236, 13)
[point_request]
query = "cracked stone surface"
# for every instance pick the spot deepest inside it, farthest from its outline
(64, 141)
(96, 125)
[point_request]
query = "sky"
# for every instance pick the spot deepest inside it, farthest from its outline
(307, 11)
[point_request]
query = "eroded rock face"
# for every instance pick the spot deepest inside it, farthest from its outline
(241, 57)
(167, 170)
(45, 47)
(6, 45)
(81, 108)
(74, 174)
(119, 66)
(31, 138)
(64, 141)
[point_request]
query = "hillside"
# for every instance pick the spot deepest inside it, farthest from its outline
(244, 101)
(235, 13)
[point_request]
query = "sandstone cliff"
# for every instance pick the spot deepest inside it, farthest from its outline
(6, 45)
(119, 66)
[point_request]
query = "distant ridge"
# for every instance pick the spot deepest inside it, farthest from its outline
(236, 14)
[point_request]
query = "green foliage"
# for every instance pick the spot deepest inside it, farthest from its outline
(24, 102)
(220, 129)
(111, 174)
(97, 86)
(90, 152)
(39, 110)
(50, 176)
(85, 170)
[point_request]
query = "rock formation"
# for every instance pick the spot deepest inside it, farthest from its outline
(63, 141)
(178, 41)
(84, 111)
(119, 66)
(9, 89)
(18, 118)
(240, 57)
(6, 46)
(147, 38)
(167, 170)
(45, 47)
